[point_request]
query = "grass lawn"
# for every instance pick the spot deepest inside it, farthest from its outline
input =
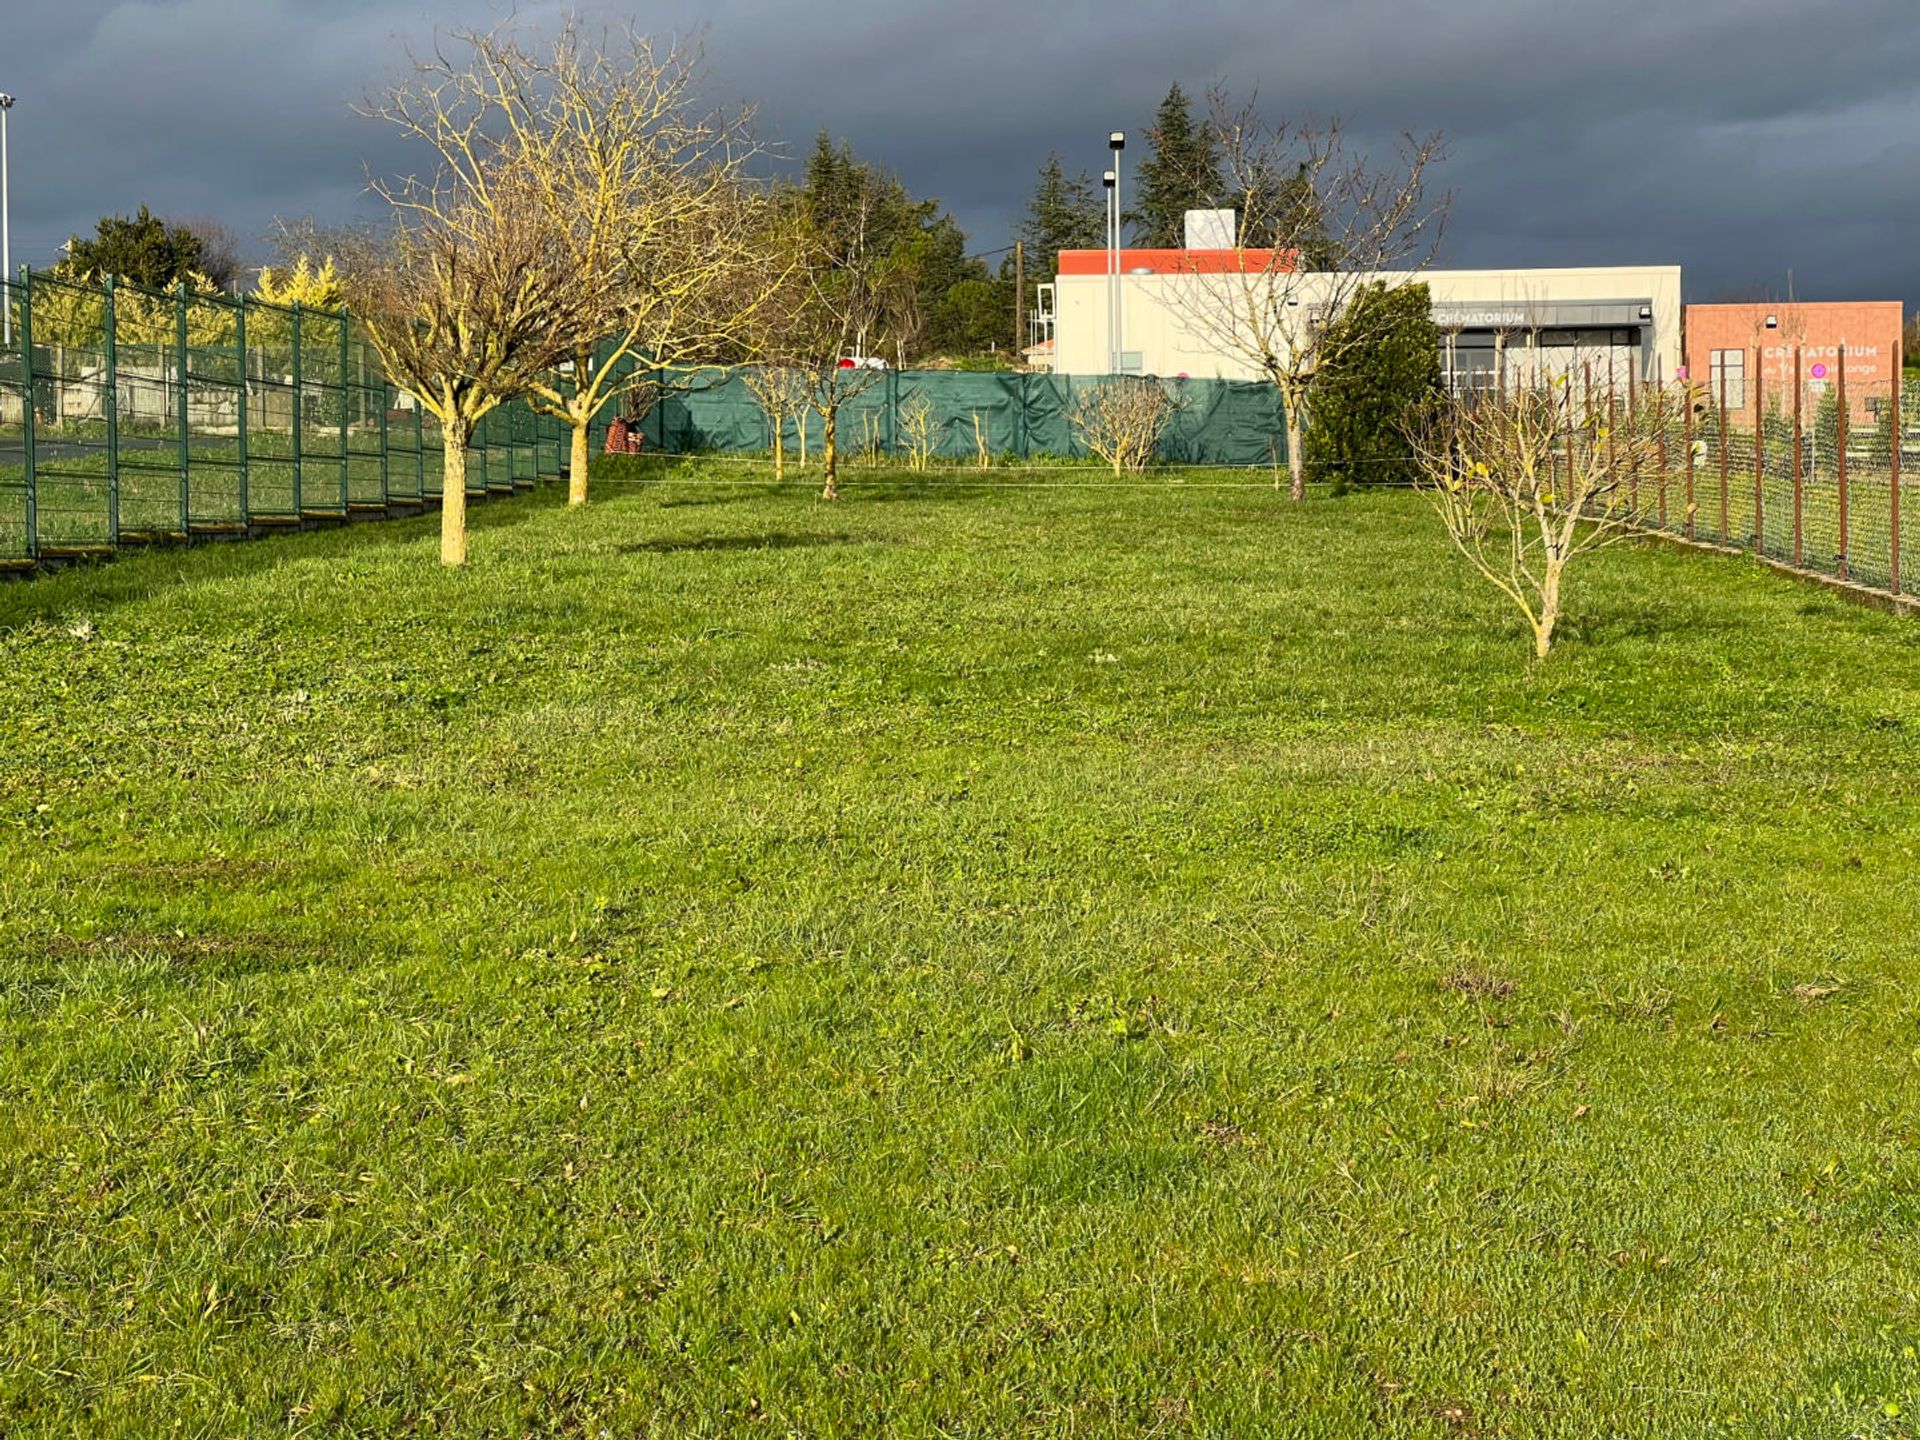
(962, 962)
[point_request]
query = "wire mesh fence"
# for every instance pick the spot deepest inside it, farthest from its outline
(129, 414)
(1810, 471)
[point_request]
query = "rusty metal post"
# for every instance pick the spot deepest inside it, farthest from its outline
(1633, 435)
(1799, 472)
(1893, 473)
(1840, 444)
(1725, 535)
(1660, 443)
(1759, 456)
(1688, 440)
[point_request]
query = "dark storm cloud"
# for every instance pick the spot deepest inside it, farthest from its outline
(1741, 138)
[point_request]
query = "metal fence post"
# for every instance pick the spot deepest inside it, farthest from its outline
(299, 505)
(1840, 444)
(1026, 423)
(180, 372)
(1633, 415)
(1660, 443)
(240, 414)
(26, 411)
(1690, 458)
(1759, 456)
(110, 364)
(386, 461)
(1799, 466)
(890, 388)
(346, 411)
(1893, 473)
(1724, 533)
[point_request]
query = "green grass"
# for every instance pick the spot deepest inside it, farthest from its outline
(962, 961)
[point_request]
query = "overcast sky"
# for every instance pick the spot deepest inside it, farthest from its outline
(1742, 139)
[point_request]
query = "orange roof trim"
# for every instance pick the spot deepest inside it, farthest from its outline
(1176, 262)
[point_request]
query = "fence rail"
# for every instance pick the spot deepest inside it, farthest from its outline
(129, 414)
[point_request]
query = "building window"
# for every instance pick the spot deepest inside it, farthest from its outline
(1728, 367)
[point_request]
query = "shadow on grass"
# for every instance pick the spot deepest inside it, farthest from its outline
(706, 544)
(142, 572)
(691, 501)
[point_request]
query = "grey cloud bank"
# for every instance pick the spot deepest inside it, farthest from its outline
(1739, 138)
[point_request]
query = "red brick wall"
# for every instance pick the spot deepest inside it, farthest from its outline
(1870, 330)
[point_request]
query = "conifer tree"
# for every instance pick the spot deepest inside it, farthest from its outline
(1065, 213)
(1180, 173)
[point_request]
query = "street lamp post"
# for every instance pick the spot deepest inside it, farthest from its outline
(1108, 179)
(1116, 142)
(6, 227)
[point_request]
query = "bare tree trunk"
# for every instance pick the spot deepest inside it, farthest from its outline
(779, 451)
(829, 454)
(577, 466)
(1549, 612)
(453, 492)
(1296, 455)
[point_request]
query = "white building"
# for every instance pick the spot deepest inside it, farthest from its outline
(1173, 304)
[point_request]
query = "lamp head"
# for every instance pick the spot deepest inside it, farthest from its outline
(6, 101)
(1117, 140)
(1106, 178)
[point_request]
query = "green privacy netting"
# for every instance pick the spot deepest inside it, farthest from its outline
(1019, 416)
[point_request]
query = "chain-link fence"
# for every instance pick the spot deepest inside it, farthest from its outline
(129, 414)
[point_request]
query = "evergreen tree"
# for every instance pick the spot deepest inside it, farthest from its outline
(916, 252)
(1358, 434)
(140, 248)
(1182, 173)
(1065, 213)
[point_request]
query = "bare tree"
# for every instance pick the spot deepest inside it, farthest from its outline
(917, 414)
(1316, 222)
(1121, 418)
(781, 393)
(219, 249)
(1528, 479)
(819, 323)
(658, 199)
(470, 292)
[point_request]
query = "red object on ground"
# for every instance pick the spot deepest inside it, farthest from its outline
(617, 437)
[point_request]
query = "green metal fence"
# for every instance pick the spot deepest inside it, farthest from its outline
(129, 414)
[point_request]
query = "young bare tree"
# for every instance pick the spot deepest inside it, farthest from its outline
(781, 393)
(1526, 480)
(917, 414)
(470, 292)
(829, 306)
(658, 198)
(1120, 418)
(1316, 222)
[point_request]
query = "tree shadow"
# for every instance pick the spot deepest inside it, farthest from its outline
(137, 573)
(700, 500)
(709, 544)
